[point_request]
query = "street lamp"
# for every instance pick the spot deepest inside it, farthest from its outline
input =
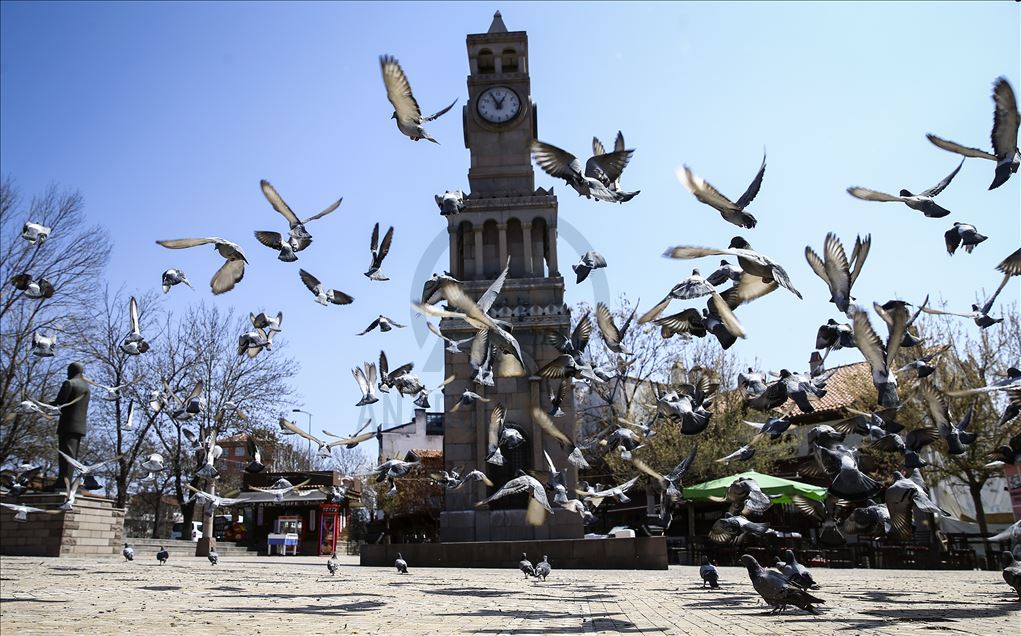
(309, 432)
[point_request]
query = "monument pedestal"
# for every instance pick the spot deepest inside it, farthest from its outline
(506, 525)
(94, 527)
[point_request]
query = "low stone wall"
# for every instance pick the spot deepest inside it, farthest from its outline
(641, 553)
(92, 528)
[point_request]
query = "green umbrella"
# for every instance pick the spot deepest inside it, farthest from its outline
(770, 485)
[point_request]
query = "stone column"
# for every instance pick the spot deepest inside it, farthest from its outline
(479, 272)
(502, 227)
(526, 234)
(456, 267)
(551, 240)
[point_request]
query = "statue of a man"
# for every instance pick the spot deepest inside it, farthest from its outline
(73, 423)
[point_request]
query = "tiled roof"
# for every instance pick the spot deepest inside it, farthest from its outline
(850, 385)
(426, 453)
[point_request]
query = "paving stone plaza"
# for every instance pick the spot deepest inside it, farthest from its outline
(296, 595)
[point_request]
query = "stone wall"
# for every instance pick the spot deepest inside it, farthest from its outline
(640, 553)
(94, 527)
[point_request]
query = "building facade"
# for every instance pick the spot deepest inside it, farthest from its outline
(505, 217)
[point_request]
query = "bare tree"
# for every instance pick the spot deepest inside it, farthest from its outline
(72, 259)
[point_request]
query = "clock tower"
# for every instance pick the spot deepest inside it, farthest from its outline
(504, 217)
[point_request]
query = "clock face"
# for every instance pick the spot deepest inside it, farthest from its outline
(498, 105)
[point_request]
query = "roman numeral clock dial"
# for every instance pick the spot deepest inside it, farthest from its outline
(498, 105)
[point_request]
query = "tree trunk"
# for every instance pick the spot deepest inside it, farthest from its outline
(975, 488)
(156, 514)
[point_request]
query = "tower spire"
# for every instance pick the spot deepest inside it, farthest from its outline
(497, 26)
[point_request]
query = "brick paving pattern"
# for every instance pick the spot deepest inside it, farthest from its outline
(297, 595)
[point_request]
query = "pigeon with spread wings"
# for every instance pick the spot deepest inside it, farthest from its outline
(836, 270)
(232, 270)
(406, 110)
(730, 211)
(601, 171)
(379, 251)
(298, 237)
(323, 295)
(924, 201)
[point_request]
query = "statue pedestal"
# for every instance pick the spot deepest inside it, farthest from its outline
(204, 545)
(94, 527)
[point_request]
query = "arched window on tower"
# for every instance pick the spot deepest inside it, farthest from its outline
(540, 249)
(491, 266)
(516, 248)
(465, 262)
(509, 61)
(486, 62)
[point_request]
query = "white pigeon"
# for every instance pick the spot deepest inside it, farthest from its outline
(153, 463)
(453, 346)
(110, 393)
(214, 501)
(44, 346)
(134, 344)
(280, 489)
(233, 269)
(21, 512)
(35, 233)
(366, 381)
(253, 342)
(266, 322)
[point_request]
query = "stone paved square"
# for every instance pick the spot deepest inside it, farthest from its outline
(297, 595)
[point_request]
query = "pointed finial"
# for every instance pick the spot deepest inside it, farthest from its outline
(497, 26)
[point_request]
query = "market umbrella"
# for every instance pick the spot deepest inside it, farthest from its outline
(770, 485)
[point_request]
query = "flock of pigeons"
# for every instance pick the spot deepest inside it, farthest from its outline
(494, 351)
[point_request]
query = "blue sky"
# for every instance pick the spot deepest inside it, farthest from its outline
(166, 116)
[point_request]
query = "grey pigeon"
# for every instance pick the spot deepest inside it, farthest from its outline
(849, 482)
(797, 573)
(332, 564)
(880, 357)
(924, 201)
(735, 529)
(612, 336)
(710, 576)
(128, 552)
(601, 171)
(379, 251)
(753, 263)
(589, 261)
(538, 504)
(726, 271)
(694, 286)
(903, 496)
(22, 511)
(962, 234)
(451, 202)
(1004, 136)
(955, 435)
(730, 211)
(747, 498)
(33, 287)
(213, 557)
(233, 268)
(1011, 535)
(298, 237)
(406, 110)
(173, 277)
(134, 344)
(1011, 572)
(598, 149)
(162, 555)
(542, 568)
(836, 270)
(383, 323)
(834, 336)
(401, 564)
(776, 590)
(323, 295)
(526, 566)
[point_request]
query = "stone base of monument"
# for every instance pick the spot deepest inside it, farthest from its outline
(94, 527)
(505, 525)
(641, 553)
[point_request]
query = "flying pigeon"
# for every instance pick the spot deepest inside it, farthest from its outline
(253, 342)
(735, 529)
(173, 277)
(962, 234)
(903, 496)
(612, 336)
(230, 273)
(601, 171)
(406, 111)
(453, 346)
(730, 211)
(134, 344)
(214, 501)
(383, 323)
(44, 346)
(298, 237)
(323, 296)
(21, 512)
(924, 201)
(589, 261)
(256, 465)
(280, 488)
(538, 504)
(366, 381)
(379, 252)
(33, 287)
(751, 262)
(835, 270)
(35, 233)
(266, 322)
(1004, 136)
(450, 202)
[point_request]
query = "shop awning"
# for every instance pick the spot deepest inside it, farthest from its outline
(769, 485)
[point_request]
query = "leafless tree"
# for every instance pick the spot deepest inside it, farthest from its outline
(72, 259)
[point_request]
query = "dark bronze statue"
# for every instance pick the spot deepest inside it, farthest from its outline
(73, 424)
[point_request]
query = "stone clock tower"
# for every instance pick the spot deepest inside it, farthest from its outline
(505, 216)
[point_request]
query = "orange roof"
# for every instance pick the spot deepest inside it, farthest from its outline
(427, 453)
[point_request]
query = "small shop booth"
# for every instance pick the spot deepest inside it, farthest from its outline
(306, 521)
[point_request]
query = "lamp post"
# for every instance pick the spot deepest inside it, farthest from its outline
(309, 432)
